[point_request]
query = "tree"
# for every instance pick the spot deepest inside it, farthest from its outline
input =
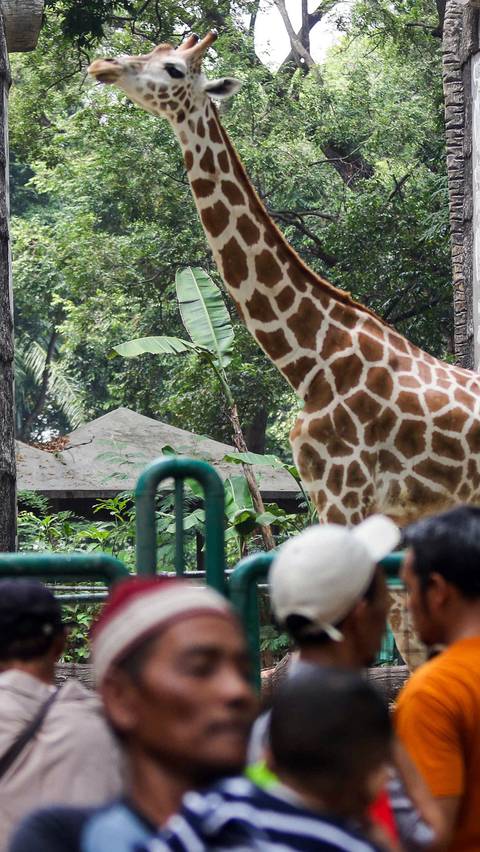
(206, 320)
(349, 159)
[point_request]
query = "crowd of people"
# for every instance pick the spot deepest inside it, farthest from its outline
(172, 753)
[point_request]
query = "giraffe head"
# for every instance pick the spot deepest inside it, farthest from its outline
(168, 81)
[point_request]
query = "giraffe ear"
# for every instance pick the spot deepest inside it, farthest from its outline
(222, 88)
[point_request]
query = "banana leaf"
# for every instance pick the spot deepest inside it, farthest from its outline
(204, 313)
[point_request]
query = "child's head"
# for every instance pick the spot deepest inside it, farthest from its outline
(330, 739)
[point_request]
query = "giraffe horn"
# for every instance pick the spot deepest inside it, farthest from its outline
(201, 47)
(189, 43)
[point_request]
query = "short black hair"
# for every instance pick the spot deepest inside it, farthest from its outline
(328, 724)
(30, 619)
(448, 544)
(299, 627)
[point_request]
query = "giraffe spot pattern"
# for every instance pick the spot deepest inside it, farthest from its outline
(355, 476)
(319, 394)
(445, 475)
(285, 298)
(336, 340)
(297, 372)
(435, 400)
(343, 315)
(234, 263)
(448, 447)
(248, 230)
(200, 128)
(410, 438)
(335, 516)
(310, 465)
(389, 462)
(409, 403)
(181, 116)
(223, 162)
(305, 323)
(216, 218)
(380, 382)
(189, 161)
(207, 163)
(260, 308)
(453, 421)
(203, 188)
(473, 438)
(232, 193)
(267, 269)
(274, 343)
(371, 349)
(377, 431)
(214, 133)
(335, 479)
(345, 426)
(363, 406)
(346, 373)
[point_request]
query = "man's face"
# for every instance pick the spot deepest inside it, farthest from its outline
(192, 707)
(421, 604)
(374, 618)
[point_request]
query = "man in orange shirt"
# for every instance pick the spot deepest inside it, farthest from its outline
(438, 711)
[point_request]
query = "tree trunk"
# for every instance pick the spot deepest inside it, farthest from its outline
(8, 508)
(255, 433)
(266, 531)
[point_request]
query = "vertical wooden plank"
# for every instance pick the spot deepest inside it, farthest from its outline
(8, 510)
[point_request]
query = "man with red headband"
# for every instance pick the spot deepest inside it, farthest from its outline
(171, 665)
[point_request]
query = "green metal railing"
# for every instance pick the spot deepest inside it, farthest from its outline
(243, 593)
(74, 567)
(181, 469)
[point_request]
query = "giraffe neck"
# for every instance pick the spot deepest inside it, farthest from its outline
(283, 303)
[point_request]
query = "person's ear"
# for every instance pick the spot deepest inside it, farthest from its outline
(438, 591)
(119, 697)
(356, 617)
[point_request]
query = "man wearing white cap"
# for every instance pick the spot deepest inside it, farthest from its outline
(329, 593)
(172, 668)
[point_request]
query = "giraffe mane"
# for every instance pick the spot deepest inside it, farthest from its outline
(340, 295)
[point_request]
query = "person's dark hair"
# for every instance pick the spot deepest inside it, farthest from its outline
(448, 544)
(297, 625)
(328, 725)
(30, 620)
(28, 649)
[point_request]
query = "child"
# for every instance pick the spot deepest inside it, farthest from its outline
(330, 741)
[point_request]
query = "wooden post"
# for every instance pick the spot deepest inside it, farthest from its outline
(20, 22)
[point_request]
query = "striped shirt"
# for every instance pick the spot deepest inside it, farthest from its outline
(236, 814)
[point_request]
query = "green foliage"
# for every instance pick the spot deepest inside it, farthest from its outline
(104, 216)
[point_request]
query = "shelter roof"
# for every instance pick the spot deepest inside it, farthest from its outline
(105, 457)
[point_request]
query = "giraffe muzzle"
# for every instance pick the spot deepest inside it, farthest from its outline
(105, 70)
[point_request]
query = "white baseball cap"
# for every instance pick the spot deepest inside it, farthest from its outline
(320, 573)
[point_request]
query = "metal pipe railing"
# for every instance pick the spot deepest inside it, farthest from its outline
(243, 593)
(214, 500)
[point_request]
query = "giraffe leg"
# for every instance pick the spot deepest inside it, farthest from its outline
(413, 651)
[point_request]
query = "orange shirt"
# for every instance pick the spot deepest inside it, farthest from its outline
(438, 720)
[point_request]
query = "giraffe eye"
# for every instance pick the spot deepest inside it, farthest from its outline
(174, 72)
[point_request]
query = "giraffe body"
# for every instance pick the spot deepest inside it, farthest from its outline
(385, 427)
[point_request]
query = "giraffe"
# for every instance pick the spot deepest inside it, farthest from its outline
(385, 426)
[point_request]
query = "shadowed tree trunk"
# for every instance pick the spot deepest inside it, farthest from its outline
(8, 511)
